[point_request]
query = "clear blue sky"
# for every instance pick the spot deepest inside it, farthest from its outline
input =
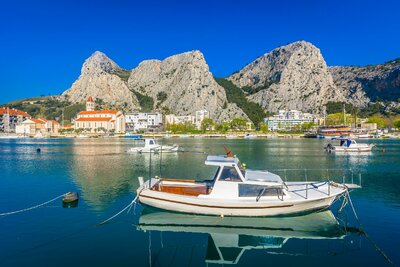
(44, 43)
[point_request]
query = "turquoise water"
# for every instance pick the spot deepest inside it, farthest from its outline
(106, 178)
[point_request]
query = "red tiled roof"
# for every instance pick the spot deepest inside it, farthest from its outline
(38, 121)
(90, 99)
(94, 119)
(105, 111)
(13, 112)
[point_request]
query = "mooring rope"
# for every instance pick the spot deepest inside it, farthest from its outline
(31, 208)
(365, 233)
(118, 213)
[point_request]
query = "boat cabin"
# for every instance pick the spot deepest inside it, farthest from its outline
(231, 180)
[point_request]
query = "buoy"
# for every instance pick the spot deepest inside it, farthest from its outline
(222, 215)
(70, 200)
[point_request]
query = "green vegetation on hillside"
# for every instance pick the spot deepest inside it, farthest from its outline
(146, 102)
(49, 107)
(123, 74)
(370, 110)
(236, 95)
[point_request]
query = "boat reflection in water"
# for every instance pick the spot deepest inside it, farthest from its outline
(230, 237)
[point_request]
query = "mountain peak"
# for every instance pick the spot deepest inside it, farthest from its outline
(99, 62)
(294, 76)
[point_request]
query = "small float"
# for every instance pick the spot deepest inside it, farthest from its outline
(236, 191)
(70, 200)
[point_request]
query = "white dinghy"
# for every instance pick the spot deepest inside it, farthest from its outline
(235, 191)
(150, 146)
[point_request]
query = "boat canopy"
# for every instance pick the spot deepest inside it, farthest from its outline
(263, 176)
(221, 161)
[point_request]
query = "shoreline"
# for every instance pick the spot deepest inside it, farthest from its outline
(227, 136)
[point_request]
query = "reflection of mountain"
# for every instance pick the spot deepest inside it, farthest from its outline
(103, 170)
(230, 237)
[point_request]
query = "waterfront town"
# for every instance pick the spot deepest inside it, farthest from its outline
(93, 122)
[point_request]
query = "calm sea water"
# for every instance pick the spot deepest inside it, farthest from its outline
(106, 178)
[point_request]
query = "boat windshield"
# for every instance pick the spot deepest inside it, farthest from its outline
(230, 174)
(263, 176)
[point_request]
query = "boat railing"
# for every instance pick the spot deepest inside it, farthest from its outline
(312, 179)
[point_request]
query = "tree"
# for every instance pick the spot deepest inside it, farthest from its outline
(264, 128)
(307, 126)
(380, 122)
(397, 124)
(223, 127)
(207, 124)
(239, 124)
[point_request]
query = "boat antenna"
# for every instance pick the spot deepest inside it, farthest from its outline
(160, 160)
(228, 152)
(150, 169)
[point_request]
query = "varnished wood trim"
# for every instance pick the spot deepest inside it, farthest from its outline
(216, 207)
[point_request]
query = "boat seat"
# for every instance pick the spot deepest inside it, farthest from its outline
(186, 190)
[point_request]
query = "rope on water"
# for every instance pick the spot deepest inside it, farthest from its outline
(365, 233)
(118, 213)
(31, 208)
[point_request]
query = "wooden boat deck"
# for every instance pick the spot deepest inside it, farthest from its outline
(182, 187)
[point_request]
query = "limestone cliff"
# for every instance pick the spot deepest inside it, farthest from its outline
(369, 83)
(183, 84)
(103, 79)
(289, 77)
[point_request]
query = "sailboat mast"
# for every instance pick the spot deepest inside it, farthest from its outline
(344, 114)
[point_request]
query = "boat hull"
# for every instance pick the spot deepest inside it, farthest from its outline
(206, 206)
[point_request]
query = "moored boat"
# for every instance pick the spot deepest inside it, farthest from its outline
(349, 145)
(150, 146)
(235, 191)
(250, 136)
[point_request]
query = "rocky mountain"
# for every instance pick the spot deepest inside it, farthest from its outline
(102, 79)
(294, 76)
(183, 84)
(370, 83)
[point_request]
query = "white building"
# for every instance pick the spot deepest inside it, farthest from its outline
(200, 116)
(172, 119)
(286, 120)
(100, 120)
(35, 126)
(138, 121)
(10, 118)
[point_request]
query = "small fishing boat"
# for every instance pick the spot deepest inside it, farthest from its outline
(349, 145)
(236, 191)
(150, 146)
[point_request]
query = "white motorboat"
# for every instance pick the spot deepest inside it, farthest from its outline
(235, 191)
(349, 145)
(150, 146)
